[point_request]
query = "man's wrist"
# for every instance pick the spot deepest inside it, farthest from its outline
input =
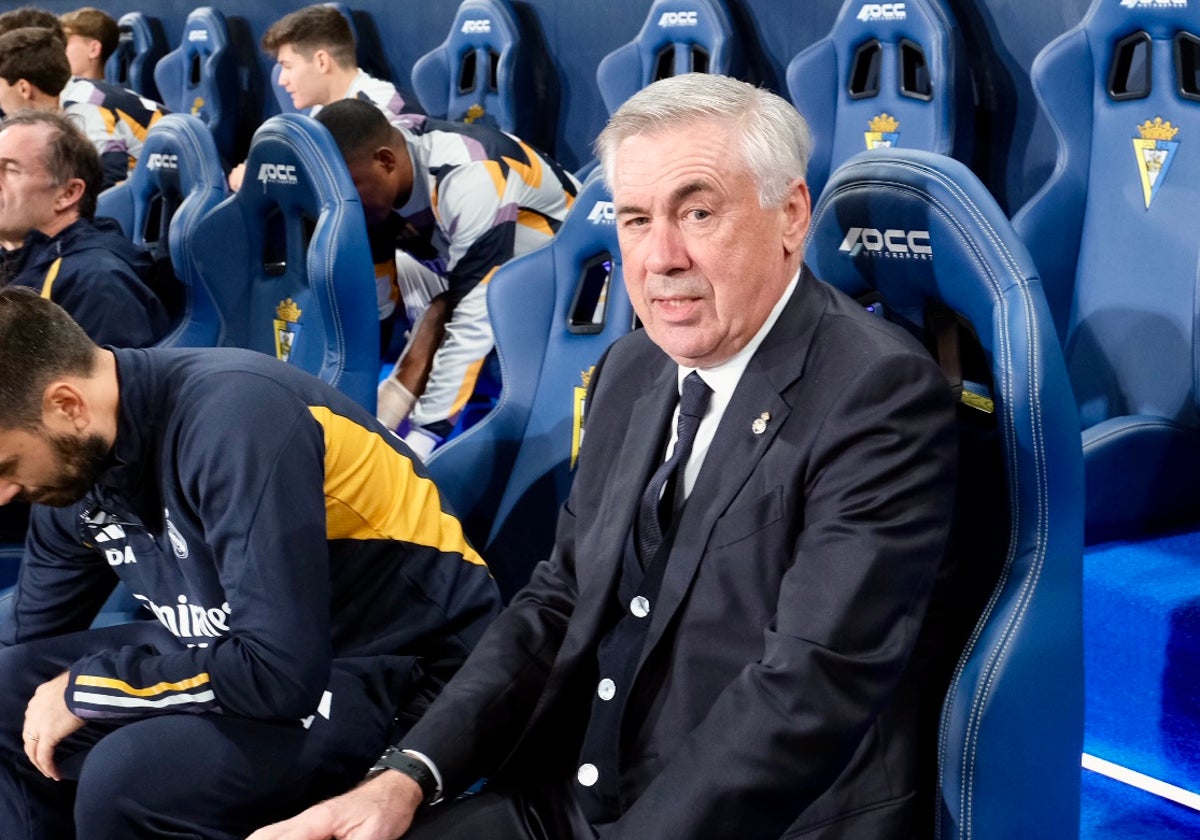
(416, 767)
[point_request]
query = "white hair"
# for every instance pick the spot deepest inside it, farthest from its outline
(774, 139)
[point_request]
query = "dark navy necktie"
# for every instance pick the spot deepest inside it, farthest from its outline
(650, 524)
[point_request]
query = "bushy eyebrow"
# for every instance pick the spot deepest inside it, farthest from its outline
(680, 193)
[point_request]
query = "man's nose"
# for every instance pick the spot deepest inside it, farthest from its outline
(667, 250)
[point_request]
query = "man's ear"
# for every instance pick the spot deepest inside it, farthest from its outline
(64, 407)
(24, 89)
(69, 195)
(93, 48)
(386, 157)
(323, 61)
(797, 213)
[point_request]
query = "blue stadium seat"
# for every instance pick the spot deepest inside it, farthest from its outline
(918, 238)
(142, 44)
(1113, 233)
(287, 262)
(892, 74)
(679, 36)
(177, 180)
(554, 311)
(200, 77)
(483, 72)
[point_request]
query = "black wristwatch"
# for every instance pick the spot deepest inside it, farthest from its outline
(394, 758)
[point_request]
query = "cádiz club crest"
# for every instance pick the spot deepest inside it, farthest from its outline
(580, 413)
(883, 133)
(287, 328)
(1155, 149)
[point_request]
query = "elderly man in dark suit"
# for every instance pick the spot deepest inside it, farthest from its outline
(732, 635)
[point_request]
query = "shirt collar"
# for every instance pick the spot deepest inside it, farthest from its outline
(723, 378)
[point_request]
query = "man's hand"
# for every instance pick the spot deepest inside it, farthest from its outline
(47, 722)
(235, 177)
(381, 809)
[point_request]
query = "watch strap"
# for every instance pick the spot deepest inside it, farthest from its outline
(417, 770)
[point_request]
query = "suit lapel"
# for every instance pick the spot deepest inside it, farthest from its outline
(640, 453)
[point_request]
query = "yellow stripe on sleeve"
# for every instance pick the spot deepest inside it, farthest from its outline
(51, 276)
(373, 492)
(150, 691)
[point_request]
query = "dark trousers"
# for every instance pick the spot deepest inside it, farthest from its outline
(533, 813)
(196, 776)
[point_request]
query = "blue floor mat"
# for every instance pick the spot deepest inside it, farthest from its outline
(1111, 810)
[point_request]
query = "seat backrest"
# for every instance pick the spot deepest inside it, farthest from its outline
(887, 74)
(679, 36)
(141, 45)
(200, 77)
(917, 237)
(177, 180)
(1113, 233)
(554, 312)
(482, 72)
(287, 262)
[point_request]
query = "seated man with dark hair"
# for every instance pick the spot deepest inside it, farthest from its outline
(34, 73)
(31, 16)
(91, 36)
(452, 202)
(315, 50)
(312, 593)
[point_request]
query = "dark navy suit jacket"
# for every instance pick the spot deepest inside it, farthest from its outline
(778, 691)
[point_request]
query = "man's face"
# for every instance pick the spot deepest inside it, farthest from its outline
(27, 192)
(81, 52)
(704, 262)
(10, 100)
(302, 78)
(48, 469)
(377, 187)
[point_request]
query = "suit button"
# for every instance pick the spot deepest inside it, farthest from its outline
(639, 606)
(588, 775)
(607, 689)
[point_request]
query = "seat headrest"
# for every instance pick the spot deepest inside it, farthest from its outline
(200, 76)
(916, 227)
(887, 74)
(678, 36)
(481, 72)
(142, 43)
(295, 164)
(178, 157)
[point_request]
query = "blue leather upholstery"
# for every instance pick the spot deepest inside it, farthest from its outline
(142, 44)
(679, 36)
(482, 72)
(282, 97)
(200, 77)
(287, 262)
(1113, 233)
(507, 476)
(178, 179)
(886, 75)
(920, 228)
